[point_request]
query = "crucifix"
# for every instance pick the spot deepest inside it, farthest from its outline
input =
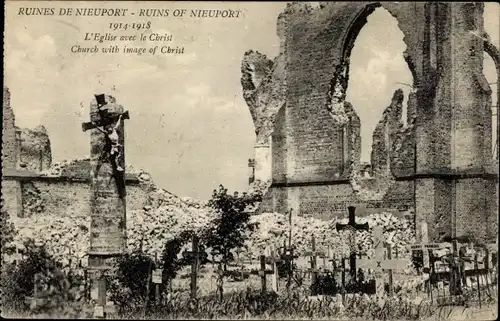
(353, 226)
(107, 204)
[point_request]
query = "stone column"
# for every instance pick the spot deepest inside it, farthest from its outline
(470, 98)
(107, 203)
(263, 161)
(451, 185)
(425, 171)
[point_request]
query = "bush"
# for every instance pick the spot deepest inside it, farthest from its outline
(7, 232)
(18, 280)
(128, 287)
(230, 230)
(58, 292)
(172, 263)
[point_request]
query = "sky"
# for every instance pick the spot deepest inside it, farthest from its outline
(190, 127)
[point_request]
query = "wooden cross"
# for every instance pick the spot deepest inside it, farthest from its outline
(313, 256)
(379, 264)
(378, 241)
(352, 223)
(342, 270)
(194, 255)
(239, 262)
(263, 272)
(327, 256)
(288, 256)
(275, 270)
(425, 246)
(157, 281)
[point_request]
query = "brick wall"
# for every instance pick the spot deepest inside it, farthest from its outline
(278, 148)
(9, 157)
(438, 161)
(328, 201)
(309, 148)
(315, 44)
(472, 210)
(35, 153)
(11, 197)
(58, 196)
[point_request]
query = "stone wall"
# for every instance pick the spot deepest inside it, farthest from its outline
(314, 150)
(385, 134)
(31, 186)
(327, 201)
(58, 196)
(9, 148)
(438, 162)
(36, 154)
(12, 197)
(23, 148)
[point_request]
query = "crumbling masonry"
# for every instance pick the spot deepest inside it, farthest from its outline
(438, 166)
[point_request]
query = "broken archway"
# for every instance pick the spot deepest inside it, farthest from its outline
(373, 70)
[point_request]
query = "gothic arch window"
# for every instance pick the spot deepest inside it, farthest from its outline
(374, 68)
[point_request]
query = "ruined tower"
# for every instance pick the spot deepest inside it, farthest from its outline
(439, 165)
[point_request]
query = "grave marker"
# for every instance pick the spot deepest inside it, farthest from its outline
(157, 276)
(99, 312)
(194, 255)
(288, 257)
(275, 270)
(313, 257)
(379, 265)
(477, 279)
(263, 272)
(353, 226)
(157, 279)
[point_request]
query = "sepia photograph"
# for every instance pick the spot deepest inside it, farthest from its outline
(241, 160)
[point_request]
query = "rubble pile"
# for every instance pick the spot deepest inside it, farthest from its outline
(65, 167)
(35, 149)
(81, 168)
(165, 217)
(67, 238)
(274, 228)
(32, 201)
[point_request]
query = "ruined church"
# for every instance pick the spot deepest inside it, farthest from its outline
(437, 165)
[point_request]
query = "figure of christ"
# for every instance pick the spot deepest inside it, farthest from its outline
(112, 147)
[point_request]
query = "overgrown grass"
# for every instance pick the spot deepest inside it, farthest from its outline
(61, 297)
